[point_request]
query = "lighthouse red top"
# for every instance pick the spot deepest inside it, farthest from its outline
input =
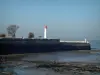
(45, 26)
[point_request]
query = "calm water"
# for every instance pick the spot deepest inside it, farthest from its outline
(59, 56)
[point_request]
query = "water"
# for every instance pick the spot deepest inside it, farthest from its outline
(95, 44)
(59, 56)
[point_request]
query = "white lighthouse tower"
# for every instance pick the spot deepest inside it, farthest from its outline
(45, 31)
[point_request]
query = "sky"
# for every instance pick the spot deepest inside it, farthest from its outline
(66, 19)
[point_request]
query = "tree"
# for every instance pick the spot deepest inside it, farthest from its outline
(2, 35)
(12, 30)
(31, 35)
(40, 37)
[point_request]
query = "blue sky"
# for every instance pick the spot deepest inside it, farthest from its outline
(70, 19)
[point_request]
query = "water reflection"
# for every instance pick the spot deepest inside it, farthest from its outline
(64, 56)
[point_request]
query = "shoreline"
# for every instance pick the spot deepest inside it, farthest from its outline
(15, 60)
(55, 66)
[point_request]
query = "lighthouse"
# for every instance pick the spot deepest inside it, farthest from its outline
(45, 31)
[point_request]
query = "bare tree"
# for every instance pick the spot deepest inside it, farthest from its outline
(31, 35)
(2, 35)
(12, 30)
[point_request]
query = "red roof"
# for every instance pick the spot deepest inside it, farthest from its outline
(45, 26)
